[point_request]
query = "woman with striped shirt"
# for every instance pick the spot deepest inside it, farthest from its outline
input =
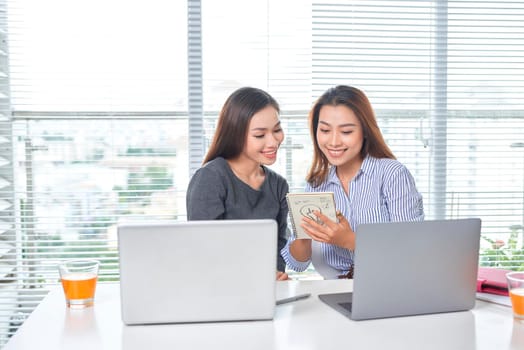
(352, 160)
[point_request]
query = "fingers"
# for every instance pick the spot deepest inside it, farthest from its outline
(282, 276)
(341, 218)
(317, 231)
(327, 230)
(326, 220)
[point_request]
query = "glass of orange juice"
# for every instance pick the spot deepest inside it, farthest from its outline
(516, 292)
(79, 282)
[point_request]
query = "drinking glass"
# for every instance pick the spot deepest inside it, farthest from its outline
(516, 292)
(79, 279)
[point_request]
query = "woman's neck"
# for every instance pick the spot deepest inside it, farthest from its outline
(249, 172)
(346, 172)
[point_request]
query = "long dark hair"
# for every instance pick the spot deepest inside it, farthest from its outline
(353, 98)
(233, 121)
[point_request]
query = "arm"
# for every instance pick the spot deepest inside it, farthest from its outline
(300, 249)
(339, 234)
(402, 197)
(297, 253)
(283, 232)
(292, 262)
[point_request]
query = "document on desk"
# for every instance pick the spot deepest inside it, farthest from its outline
(494, 298)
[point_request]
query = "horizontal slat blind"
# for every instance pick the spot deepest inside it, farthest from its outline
(98, 125)
(97, 103)
(446, 79)
(195, 86)
(265, 44)
(8, 292)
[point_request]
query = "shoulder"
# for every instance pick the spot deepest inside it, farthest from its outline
(273, 175)
(211, 172)
(384, 166)
(275, 178)
(216, 166)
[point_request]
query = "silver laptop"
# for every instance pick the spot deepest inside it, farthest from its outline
(412, 268)
(197, 271)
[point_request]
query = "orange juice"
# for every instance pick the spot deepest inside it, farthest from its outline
(517, 301)
(79, 285)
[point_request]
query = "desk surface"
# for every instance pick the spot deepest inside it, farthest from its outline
(305, 324)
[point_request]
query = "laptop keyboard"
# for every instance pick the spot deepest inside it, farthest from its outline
(346, 306)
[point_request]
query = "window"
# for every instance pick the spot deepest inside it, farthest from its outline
(96, 124)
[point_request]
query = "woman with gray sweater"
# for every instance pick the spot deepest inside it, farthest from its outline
(234, 181)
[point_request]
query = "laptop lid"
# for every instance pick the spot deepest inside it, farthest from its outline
(197, 271)
(412, 268)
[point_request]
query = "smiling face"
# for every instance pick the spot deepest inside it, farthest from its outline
(340, 136)
(264, 136)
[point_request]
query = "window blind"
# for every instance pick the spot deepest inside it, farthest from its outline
(446, 80)
(8, 246)
(265, 44)
(106, 123)
(195, 86)
(96, 122)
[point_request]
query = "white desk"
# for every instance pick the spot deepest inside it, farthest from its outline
(305, 324)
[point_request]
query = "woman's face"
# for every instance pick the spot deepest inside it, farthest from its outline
(339, 135)
(264, 136)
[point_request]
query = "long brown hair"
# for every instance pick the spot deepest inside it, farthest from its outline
(374, 144)
(233, 121)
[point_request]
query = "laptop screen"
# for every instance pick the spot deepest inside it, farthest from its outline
(411, 268)
(193, 271)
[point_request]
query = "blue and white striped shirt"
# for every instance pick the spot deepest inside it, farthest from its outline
(382, 191)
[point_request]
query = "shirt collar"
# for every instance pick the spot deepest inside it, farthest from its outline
(332, 175)
(366, 169)
(368, 165)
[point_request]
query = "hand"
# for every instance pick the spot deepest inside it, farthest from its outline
(282, 276)
(336, 233)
